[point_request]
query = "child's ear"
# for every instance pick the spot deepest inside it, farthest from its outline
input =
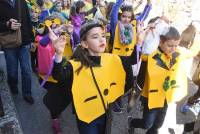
(84, 44)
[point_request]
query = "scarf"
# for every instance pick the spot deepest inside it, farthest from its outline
(125, 33)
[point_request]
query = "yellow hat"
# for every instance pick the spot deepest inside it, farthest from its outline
(48, 23)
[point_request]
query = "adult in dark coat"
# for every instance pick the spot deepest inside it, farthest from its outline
(9, 21)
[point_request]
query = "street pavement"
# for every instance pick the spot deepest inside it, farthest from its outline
(35, 119)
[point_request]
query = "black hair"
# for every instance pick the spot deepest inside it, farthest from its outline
(153, 20)
(128, 8)
(108, 10)
(40, 3)
(81, 54)
(172, 34)
(89, 24)
(75, 8)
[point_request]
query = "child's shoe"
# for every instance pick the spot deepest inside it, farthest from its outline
(56, 126)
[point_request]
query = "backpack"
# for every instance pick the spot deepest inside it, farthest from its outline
(44, 56)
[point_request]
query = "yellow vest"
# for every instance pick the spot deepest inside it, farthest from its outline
(158, 72)
(68, 49)
(111, 81)
(120, 49)
(67, 54)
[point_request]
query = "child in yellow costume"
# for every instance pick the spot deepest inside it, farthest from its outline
(165, 81)
(90, 63)
(123, 29)
(45, 55)
(124, 25)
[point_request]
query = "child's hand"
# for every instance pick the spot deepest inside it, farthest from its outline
(58, 42)
(142, 33)
(69, 28)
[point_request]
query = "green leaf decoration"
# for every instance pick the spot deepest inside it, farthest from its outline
(126, 33)
(166, 85)
(173, 82)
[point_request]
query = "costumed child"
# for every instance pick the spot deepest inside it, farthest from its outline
(92, 79)
(77, 17)
(165, 81)
(124, 26)
(45, 63)
(123, 32)
(35, 12)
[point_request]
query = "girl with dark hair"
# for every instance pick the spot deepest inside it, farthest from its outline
(92, 79)
(77, 16)
(45, 53)
(165, 81)
(123, 28)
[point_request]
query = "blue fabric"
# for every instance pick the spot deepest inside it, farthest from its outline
(43, 15)
(114, 16)
(95, 127)
(45, 40)
(152, 118)
(14, 56)
(144, 14)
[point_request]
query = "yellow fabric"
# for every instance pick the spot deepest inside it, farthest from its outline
(88, 6)
(110, 77)
(48, 5)
(108, 46)
(50, 79)
(155, 77)
(68, 49)
(123, 50)
(48, 23)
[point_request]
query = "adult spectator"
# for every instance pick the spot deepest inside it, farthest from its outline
(9, 22)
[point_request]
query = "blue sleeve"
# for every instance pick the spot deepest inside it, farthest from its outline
(114, 16)
(145, 13)
(94, 2)
(45, 40)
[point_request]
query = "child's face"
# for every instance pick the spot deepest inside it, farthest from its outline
(95, 41)
(35, 15)
(66, 3)
(169, 46)
(126, 17)
(59, 6)
(81, 10)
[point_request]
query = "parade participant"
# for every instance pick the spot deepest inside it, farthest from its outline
(77, 16)
(165, 81)
(89, 64)
(45, 53)
(123, 32)
(123, 27)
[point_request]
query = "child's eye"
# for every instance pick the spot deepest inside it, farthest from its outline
(104, 36)
(95, 37)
